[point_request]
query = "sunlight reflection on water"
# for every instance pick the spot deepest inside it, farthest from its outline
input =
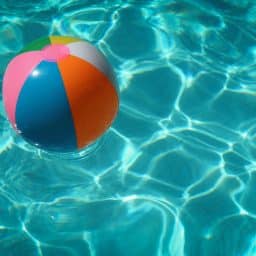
(176, 174)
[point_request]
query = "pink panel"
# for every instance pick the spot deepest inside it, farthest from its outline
(55, 52)
(15, 75)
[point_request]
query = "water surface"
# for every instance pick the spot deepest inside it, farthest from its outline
(176, 174)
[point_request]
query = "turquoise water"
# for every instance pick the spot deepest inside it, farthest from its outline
(176, 172)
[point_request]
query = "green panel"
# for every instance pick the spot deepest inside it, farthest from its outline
(37, 44)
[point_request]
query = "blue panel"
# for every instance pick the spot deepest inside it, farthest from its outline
(43, 114)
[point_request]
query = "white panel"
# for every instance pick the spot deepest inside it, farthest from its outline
(92, 55)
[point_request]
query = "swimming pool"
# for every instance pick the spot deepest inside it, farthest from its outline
(176, 172)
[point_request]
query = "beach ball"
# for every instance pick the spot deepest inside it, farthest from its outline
(59, 93)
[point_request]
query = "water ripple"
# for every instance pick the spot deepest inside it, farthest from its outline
(176, 172)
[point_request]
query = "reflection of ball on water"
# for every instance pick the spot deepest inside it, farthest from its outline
(59, 93)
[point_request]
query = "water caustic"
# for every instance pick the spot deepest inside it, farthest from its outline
(176, 173)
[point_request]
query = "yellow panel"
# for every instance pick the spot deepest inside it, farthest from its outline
(63, 39)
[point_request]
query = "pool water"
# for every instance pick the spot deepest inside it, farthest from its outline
(175, 175)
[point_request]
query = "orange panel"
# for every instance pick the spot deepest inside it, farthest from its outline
(92, 97)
